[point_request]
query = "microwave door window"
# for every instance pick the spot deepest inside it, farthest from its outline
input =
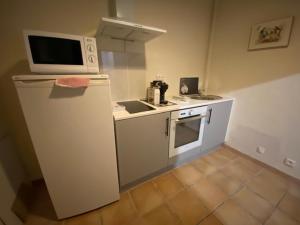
(50, 50)
(187, 132)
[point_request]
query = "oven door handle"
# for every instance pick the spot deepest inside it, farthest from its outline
(178, 121)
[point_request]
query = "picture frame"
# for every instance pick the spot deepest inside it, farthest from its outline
(271, 34)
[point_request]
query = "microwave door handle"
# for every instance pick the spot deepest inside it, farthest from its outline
(184, 120)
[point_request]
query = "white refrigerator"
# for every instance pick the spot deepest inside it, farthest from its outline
(73, 136)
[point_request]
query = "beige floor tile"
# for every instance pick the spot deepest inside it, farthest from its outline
(138, 221)
(168, 184)
(269, 186)
(209, 180)
(230, 213)
(161, 216)
(254, 204)
(290, 204)
(188, 208)
(250, 164)
(91, 218)
(187, 174)
(209, 193)
(238, 171)
(204, 167)
(227, 153)
(216, 160)
(275, 178)
(280, 218)
(120, 212)
(146, 197)
(33, 219)
(294, 189)
(229, 185)
(211, 220)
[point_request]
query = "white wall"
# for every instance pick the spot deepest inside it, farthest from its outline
(267, 115)
(265, 83)
(11, 176)
(3, 126)
(74, 17)
(127, 74)
(7, 196)
(180, 52)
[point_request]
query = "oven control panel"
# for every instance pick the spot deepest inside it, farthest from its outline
(189, 112)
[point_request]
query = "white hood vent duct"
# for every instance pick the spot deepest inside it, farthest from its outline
(116, 27)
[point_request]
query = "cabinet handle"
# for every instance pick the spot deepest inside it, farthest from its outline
(210, 112)
(167, 127)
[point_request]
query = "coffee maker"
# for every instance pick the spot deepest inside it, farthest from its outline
(163, 87)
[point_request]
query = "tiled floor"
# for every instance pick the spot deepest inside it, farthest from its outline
(222, 187)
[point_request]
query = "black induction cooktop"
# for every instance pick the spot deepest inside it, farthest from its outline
(135, 106)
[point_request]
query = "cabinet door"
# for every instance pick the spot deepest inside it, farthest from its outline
(216, 124)
(142, 146)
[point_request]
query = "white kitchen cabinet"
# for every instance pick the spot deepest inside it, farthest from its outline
(216, 123)
(143, 142)
(142, 146)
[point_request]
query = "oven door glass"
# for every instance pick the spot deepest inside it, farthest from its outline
(187, 131)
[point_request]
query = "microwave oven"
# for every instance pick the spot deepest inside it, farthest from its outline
(60, 53)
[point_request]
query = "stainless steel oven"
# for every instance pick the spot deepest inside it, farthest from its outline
(186, 129)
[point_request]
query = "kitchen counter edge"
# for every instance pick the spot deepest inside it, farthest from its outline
(122, 115)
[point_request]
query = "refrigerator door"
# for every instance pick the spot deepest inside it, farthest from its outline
(73, 136)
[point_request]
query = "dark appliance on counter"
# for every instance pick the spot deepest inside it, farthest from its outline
(135, 106)
(163, 87)
(189, 86)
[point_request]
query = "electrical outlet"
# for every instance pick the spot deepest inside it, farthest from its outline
(289, 162)
(260, 149)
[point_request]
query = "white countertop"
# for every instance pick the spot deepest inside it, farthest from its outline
(190, 103)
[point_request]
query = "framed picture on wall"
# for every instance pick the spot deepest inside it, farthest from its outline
(272, 34)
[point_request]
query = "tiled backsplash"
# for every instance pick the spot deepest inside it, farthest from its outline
(127, 74)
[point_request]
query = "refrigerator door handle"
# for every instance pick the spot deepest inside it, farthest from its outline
(35, 83)
(51, 83)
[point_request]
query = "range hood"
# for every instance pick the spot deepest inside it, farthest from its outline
(117, 26)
